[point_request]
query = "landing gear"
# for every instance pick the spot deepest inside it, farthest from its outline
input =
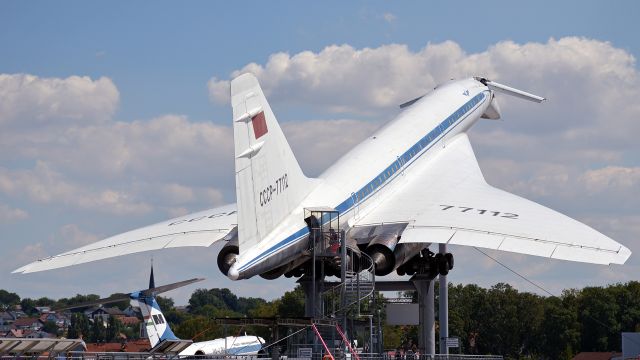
(428, 263)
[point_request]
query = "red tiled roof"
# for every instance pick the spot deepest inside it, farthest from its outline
(130, 346)
(596, 355)
(25, 321)
(129, 320)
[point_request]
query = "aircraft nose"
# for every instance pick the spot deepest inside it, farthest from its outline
(233, 273)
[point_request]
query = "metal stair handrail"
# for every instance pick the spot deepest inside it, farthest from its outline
(361, 283)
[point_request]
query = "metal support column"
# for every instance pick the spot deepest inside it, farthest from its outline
(427, 331)
(309, 292)
(443, 307)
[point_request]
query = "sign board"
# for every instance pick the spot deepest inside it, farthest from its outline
(630, 345)
(452, 342)
(304, 353)
(402, 314)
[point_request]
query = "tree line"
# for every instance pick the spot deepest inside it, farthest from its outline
(497, 320)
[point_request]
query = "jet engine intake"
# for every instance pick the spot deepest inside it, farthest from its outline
(381, 251)
(227, 256)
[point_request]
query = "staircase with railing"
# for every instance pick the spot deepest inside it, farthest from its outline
(350, 294)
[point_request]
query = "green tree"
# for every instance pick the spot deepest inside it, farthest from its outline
(598, 314)
(45, 301)
(198, 328)
(50, 327)
(97, 331)
(267, 309)
(28, 306)
(560, 329)
(122, 305)
(165, 303)
(114, 327)
(78, 299)
(292, 303)
(8, 299)
(73, 332)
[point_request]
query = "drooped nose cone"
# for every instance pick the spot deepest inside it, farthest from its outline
(233, 273)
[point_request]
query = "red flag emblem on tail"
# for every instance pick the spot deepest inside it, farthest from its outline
(259, 125)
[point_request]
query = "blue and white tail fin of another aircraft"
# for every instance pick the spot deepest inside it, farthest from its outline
(157, 327)
(269, 181)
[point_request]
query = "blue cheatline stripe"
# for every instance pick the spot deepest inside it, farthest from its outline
(244, 349)
(384, 177)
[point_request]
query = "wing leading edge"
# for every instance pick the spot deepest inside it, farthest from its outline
(447, 200)
(199, 229)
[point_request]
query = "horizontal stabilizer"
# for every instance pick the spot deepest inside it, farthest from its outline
(497, 87)
(164, 288)
(123, 297)
(410, 102)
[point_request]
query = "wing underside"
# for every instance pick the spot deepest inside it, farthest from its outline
(446, 200)
(199, 229)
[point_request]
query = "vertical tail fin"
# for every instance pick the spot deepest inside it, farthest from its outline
(156, 325)
(269, 181)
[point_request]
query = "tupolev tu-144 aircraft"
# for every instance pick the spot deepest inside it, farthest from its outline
(413, 183)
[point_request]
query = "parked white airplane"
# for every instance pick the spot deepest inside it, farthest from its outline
(414, 182)
(159, 332)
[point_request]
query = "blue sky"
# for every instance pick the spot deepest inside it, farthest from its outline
(87, 158)
(145, 46)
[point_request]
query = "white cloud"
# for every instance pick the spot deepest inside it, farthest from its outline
(27, 100)
(9, 214)
(71, 236)
(319, 143)
(588, 83)
(612, 177)
(44, 185)
(389, 17)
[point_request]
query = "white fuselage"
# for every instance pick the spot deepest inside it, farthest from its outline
(231, 345)
(369, 174)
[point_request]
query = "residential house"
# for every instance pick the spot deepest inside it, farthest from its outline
(6, 320)
(43, 309)
(130, 320)
(39, 335)
(105, 313)
(28, 324)
(61, 320)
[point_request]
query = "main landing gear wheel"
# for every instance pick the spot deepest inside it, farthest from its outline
(444, 263)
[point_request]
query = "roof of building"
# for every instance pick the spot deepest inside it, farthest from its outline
(596, 355)
(40, 335)
(26, 321)
(129, 346)
(130, 320)
(108, 310)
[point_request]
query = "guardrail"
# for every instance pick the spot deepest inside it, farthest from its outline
(150, 356)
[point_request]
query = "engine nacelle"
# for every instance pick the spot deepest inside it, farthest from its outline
(405, 252)
(227, 256)
(381, 252)
(274, 273)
